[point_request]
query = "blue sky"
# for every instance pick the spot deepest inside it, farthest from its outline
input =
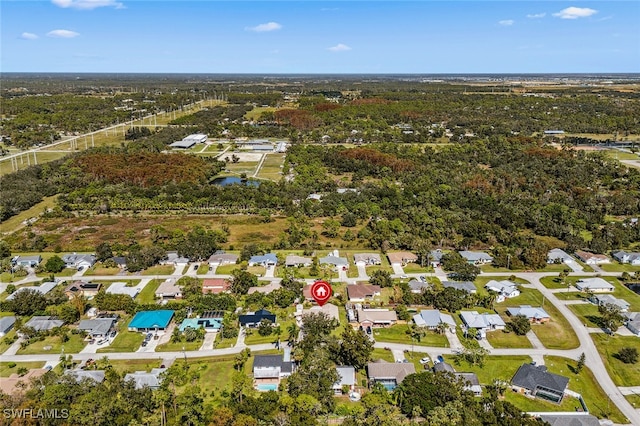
(320, 37)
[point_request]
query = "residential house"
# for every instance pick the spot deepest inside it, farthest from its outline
(151, 320)
(222, 258)
(44, 323)
(43, 289)
(142, 379)
(537, 381)
(79, 261)
(265, 260)
(366, 259)
(432, 318)
(253, 319)
(216, 286)
(173, 258)
(293, 260)
(389, 374)
(592, 258)
(328, 309)
(362, 292)
(505, 289)
(401, 258)
(81, 288)
(120, 287)
(168, 290)
(120, 261)
(482, 322)
(339, 263)
(435, 257)
(627, 257)
(578, 418)
(417, 286)
(268, 370)
(534, 315)
(471, 383)
(594, 285)
(369, 318)
(27, 261)
(608, 300)
(467, 286)
(557, 255)
(80, 375)
(347, 377)
(17, 383)
(6, 324)
(476, 257)
(266, 289)
(210, 321)
(633, 322)
(98, 328)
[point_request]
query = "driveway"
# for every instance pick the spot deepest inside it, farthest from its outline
(209, 339)
(270, 272)
(397, 269)
(362, 273)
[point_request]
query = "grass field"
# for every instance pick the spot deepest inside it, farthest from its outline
(397, 334)
(620, 267)
(585, 384)
(6, 371)
(124, 366)
(148, 293)
(159, 270)
(176, 347)
(608, 346)
(15, 222)
(4, 341)
(125, 341)
(100, 270)
(74, 345)
(272, 167)
(413, 268)
(382, 354)
(502, 339)
(634, 400)
(495, 367)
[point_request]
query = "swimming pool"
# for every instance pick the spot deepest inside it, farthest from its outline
(267, 387)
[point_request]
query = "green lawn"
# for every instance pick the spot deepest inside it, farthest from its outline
(608, 346)
(585, 384)
(382, 354)
(587, 313)
(125, 341)
(555, 282)
(124, 366)
(5, 371)
(397, 334)
(74, 345)
(502, 339)
(619, 267)
(176, 347)
(414, 268)
(495, 367)
(215, 373)
(203, 268)
(66, 272)
(526, 404)
(101, 270)
(15, 222)
(227, 269)
(571, 295)
(4, 341)
(148, 293)
(221, 343)
(159, 270)
(634, 400)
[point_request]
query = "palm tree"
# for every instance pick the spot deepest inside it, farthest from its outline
(293, 330)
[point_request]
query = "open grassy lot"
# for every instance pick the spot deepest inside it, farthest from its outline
(587, 313)
(608, 346)
(74, 345)
(15, 222)
(6, 371)
(98, 269)
(215, 373)
(571, 295)
(556, 282)
(619, 267)
(247, 167)
(148, 293)
(585, 384)
(398, 334)
(495, 367)
(159, 270)
(271, 167)
(176, 347)
(203, 268)
(634, 400)
(382, 354)
(527, 404)
(413, 268)
(221, 343)
(125, 341)
(66, 272)
(502, 339)
(124, 366)
(227, 269)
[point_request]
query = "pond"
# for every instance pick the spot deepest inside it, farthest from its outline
(635, 287)
(230, 180)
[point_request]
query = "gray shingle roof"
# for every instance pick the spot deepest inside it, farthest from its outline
(531, 377)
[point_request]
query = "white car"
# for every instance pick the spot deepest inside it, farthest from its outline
(425, 360)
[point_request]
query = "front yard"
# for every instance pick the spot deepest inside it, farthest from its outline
(54, 345)
(608, 346)
(502, 339)
(6, 370)
(398, 334)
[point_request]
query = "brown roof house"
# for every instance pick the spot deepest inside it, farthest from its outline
(362, 292)
(216, 286)
(389, 374)
(401, 257)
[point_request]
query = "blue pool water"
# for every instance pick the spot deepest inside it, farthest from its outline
(267, 387)
(224, 181)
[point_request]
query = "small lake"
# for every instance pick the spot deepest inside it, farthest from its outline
(634, 287)
(230, 180)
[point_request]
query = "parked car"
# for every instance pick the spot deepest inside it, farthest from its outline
(425, 360)
(195, 267)
(404, 277)
(144, 343)
(102, 342)
(440, 358)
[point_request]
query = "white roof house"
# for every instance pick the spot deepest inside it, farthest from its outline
(609, 300)
(431, 318)
(596, 285)
(43, 289)
(627, 257)
(557, 255)
(476, 257)
(42, 323)
(633, 322)
(592, 258)
(76, 261)
(347, 377)
(505, 289)
(294, 260)
(121, 288)
(143, 379)
(329, 309)
(169, 290)
(532, 313)
(486, 322)
(363, 259)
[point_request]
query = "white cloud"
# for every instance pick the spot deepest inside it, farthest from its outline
(28, 36)
(269, 26)
(62, 34)
(536, 15)
(339, 48)
(506, 22)
(87, 4)
(575, 13)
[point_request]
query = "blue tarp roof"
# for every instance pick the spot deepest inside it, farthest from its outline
(152, 319)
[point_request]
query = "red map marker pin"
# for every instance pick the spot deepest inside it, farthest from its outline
(321, 292)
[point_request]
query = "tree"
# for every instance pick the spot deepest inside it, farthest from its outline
(611, 317)
(381, 277)
(199, 244)
(519, 324)
(5, 250)
(628, 355)
(265, 328)
(103, 252)
(26, 302)
(427, 390)
(474, 356)
(315, 377)
(242, 281)
(316, 328)
(55, 264)
(580, 363)
(355, 349)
